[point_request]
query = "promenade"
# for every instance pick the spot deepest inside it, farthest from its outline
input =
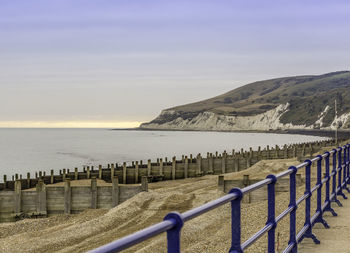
(337, 237)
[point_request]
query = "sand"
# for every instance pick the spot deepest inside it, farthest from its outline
(207, 233)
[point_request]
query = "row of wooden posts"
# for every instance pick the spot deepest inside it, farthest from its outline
(112, 169)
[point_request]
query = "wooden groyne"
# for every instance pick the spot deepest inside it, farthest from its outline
(56, 199)
(185, 167)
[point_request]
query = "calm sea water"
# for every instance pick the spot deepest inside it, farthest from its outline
(30, 150)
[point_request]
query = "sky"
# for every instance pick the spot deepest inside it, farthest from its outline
(104, 63)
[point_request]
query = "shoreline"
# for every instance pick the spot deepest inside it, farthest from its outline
(342, 134)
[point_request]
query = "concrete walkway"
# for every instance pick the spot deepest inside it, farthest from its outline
(337, 237)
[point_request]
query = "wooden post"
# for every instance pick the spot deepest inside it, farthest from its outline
(237, 163)
(144, 184)
(28, 180)
(285, 152)
(221, 183)
(310, 150)
(223, 163)
(100, 171)
(149, 168)
(41, 198)
(124, 172)
(276, 152)
(40, 175)
(67, 196)
(186, 167)
(191, 158)
(268, 152)
(16, 176)
(115, 192)
(93, 193)
(173, 169)
(5, 181)
(199, 165)
(112, 171)
(76, 174)
(18, 193)
(248, 162)
(88, 172)
(161, 167)
(211, 163)
(136, 172)
(64, 175)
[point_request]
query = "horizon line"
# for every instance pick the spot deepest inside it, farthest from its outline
(69, 124)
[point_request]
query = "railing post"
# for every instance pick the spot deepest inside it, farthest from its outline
(292, 244)
(174, 234)
(319, 183)
(271, 213)
(345, 168)
(236, 222)
(340, 168)
(328, 178)
(308, 233)
(334, 181)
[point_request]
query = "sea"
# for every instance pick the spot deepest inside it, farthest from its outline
(30, 150)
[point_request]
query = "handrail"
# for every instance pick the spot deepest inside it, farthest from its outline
(173, 222)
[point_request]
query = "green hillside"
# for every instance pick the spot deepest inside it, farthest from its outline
(307, 95)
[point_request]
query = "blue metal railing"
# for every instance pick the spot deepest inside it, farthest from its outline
(174, 221)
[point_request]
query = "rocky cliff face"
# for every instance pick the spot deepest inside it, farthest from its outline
(286, 103)
(269, 120)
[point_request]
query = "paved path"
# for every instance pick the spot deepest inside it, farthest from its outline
(337, 237)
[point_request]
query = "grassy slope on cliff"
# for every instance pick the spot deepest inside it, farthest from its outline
(307, 95)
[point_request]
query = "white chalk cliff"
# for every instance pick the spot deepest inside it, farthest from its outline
(269, 120)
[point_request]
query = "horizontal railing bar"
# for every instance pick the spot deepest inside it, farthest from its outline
(284, 213)
(325, 180)
(315, 188)
(301, 165)
(302, 232)
(289, 248)
(315, 159)
(208, 206)
(283, 174)
(314, 217)
(135, 238)
(256, 186)
(256, 236)
(302, 198)
(324, 206)
(332, 196)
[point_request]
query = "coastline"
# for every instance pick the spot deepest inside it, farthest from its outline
(342, 134)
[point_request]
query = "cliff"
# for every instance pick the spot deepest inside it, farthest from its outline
(300, 102)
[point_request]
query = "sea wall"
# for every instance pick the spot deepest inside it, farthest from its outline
(49, 200)
(185, 167)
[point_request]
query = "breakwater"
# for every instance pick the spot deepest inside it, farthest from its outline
(187, 166)
(47, 200)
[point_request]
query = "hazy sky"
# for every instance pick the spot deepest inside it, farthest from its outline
(116, 63)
